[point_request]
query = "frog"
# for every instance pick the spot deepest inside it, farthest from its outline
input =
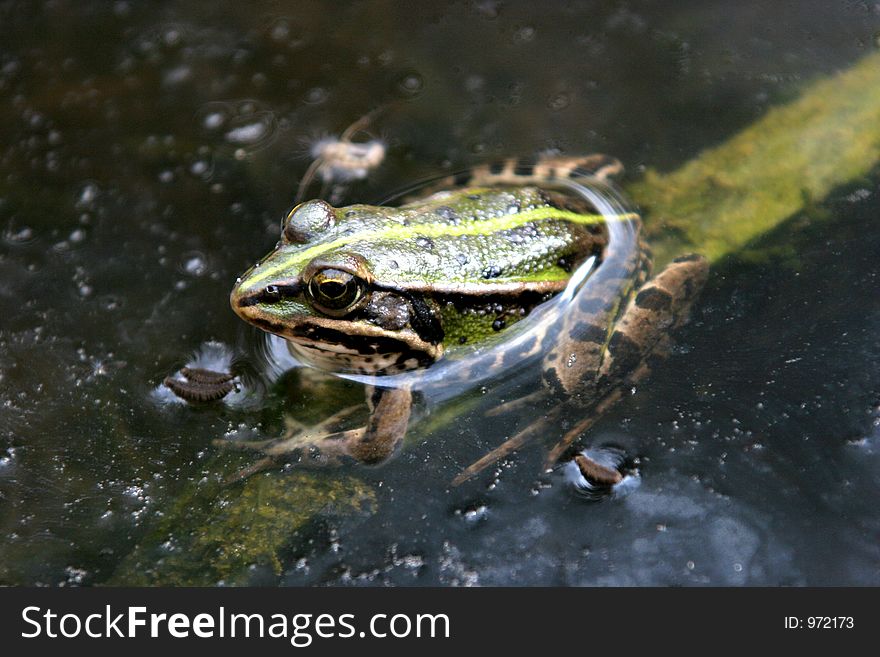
(525, 259)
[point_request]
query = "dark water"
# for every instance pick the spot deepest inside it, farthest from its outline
(147, 152)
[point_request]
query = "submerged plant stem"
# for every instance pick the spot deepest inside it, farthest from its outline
(777, 167)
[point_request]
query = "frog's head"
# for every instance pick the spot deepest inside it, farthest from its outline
(317, 290)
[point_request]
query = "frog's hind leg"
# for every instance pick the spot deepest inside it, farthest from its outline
(525, 171)
(586, 332)
(597, 472)
(640, 335)
(616, 345)
(660, 306)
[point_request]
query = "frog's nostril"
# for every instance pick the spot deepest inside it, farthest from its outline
(268, 295)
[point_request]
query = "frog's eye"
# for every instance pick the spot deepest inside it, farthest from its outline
(335, 292)
(306, 221)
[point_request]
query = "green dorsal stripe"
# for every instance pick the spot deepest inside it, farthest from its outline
(400, 232)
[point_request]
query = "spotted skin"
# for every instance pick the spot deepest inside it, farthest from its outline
(513, 171)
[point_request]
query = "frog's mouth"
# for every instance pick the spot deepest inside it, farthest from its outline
(351, 347)
(364, 350)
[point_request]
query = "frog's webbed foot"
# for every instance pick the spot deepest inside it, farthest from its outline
(294, 431)
(313, 445)
(370, 444)
(321, 445)
(315, 448)
(308, 448)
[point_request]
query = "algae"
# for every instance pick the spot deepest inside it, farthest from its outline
(219, 534)
(783, 164)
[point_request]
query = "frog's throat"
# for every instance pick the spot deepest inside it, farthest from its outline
(351, 347)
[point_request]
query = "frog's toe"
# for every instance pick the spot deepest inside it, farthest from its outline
(595, 473)
(243, 445)
(321, 453)
(599, 471)
(262, 465)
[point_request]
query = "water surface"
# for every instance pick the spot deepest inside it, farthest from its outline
(148, 152)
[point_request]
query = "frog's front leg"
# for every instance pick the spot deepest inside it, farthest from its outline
(390, 409)
(389, 416)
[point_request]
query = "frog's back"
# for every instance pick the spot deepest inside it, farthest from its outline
(480, 240)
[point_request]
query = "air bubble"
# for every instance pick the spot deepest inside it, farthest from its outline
(246, 134)
(524, 34)
(280, 31)
(559, 101)
(411, 83)
(315, 96)
(110, 302)
(198, 168)
(177, 75)
(20, 236)
(194, 263)
(487, 8)
(244, 124)
(172, 37)
(474, 514)
(213, 120)
(88, 194)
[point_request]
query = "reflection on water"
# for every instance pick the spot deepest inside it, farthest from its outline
(148, 154)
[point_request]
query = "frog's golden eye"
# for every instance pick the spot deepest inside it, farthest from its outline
(335, 292)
